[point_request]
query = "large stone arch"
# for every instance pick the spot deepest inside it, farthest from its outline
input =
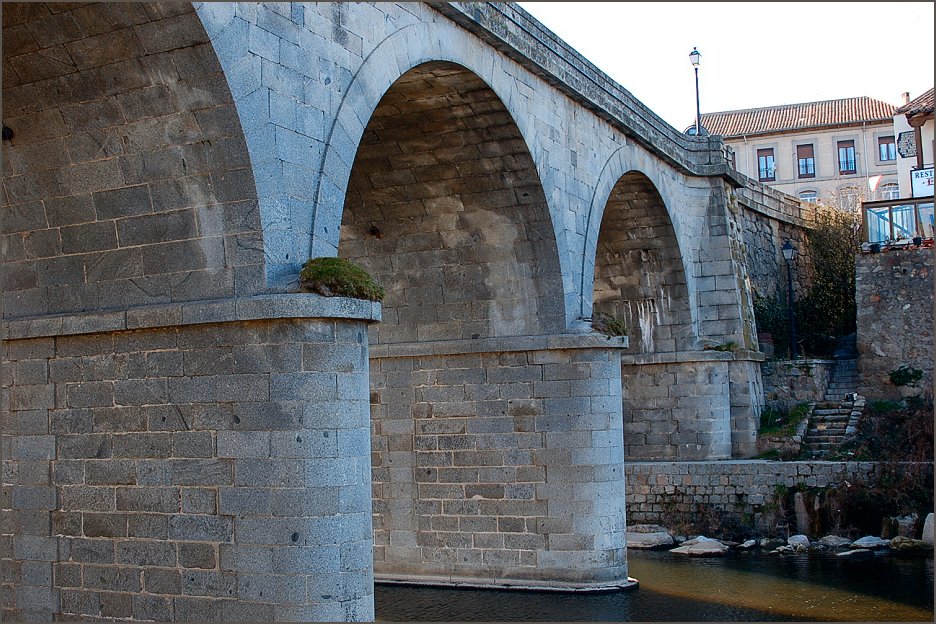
(444, 207)
(127, 177)
(400, 52)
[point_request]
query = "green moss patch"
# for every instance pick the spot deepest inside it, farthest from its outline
(337, 277)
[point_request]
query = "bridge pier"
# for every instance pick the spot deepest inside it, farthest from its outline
(499, 462)
(690, 406)
(191, 461)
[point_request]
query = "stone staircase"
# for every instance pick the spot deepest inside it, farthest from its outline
(835, 416)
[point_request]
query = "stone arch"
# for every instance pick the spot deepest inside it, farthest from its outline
(127, 178)
(444, 206)
(639, 273)
(407, 48)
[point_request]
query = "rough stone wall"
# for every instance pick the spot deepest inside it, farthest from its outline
(659, 492)
(768, 219)
(205, 472)
(894, 296)
(499, 466)
(126, 181)
(787, 383)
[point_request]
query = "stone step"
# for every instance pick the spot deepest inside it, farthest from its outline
(822, 446)
(825, 433)
(825, 413)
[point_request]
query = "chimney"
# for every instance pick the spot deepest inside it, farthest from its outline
(906, 97)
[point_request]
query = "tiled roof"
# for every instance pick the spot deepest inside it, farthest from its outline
(918, 106)
(789, 117)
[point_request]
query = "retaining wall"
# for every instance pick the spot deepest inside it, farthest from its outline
(894, 297)
(662, 492)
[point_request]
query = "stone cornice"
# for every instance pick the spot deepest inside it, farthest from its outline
(262, 307)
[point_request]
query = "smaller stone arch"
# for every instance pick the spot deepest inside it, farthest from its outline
(639, 275)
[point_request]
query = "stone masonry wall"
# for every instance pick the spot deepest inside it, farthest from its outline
(788, 383)
(216, 471)
(894, 295)
(661, 492)
(499, 466)
(127, 179)
(676, 410)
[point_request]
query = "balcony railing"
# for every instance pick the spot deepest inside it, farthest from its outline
(889, 221)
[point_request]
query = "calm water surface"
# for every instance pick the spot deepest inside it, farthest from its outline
(745, 587)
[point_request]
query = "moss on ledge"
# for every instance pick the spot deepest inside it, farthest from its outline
(337, 277)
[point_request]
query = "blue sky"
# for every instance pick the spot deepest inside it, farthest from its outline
(753, 53)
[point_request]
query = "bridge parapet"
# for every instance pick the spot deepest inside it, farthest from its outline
(514, 32)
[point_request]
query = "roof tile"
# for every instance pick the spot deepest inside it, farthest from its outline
(788, 117)
(920, 105)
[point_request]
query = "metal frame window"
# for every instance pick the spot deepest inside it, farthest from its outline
(806, 161)
(887, 148)
(846, 157)
(766, 165)
(894, 220)
(810, 197)
(891, 190)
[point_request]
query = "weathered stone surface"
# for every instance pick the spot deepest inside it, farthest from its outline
(894, 297)
(798, 541)
(928, 529)
(909, 545)
(701, 547)
(870, 541)
(835, 541)
(654, 540)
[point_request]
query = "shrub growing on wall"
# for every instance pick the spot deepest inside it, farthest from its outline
(827, 312)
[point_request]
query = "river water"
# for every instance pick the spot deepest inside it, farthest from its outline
(740, 587)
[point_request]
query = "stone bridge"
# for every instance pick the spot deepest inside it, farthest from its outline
(187, 436)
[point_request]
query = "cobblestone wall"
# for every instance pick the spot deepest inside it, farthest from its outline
(659, 492)
(894, 295)
(193, 472)
(498, 465)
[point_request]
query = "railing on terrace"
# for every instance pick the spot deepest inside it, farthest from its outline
(889, 221)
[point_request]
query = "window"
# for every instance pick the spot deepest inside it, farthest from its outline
(889, 191)
(887, 148)
(810, 197)
(765, 165)
(806, 161)
(846, 157)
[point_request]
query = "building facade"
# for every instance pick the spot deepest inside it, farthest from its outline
(836, 152)
(913, 129)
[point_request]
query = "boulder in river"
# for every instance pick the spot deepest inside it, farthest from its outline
(702, 547)
(649, 541)
(798, 542)
(869, 541)
(857, 553)
(746, 544)
(928, 529)
(909, 545)
(835, 541)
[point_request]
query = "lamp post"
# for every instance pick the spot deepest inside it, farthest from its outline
(789, 254)
(694, 57)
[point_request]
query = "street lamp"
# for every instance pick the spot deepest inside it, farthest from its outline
(789, 254)
(694, 57)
